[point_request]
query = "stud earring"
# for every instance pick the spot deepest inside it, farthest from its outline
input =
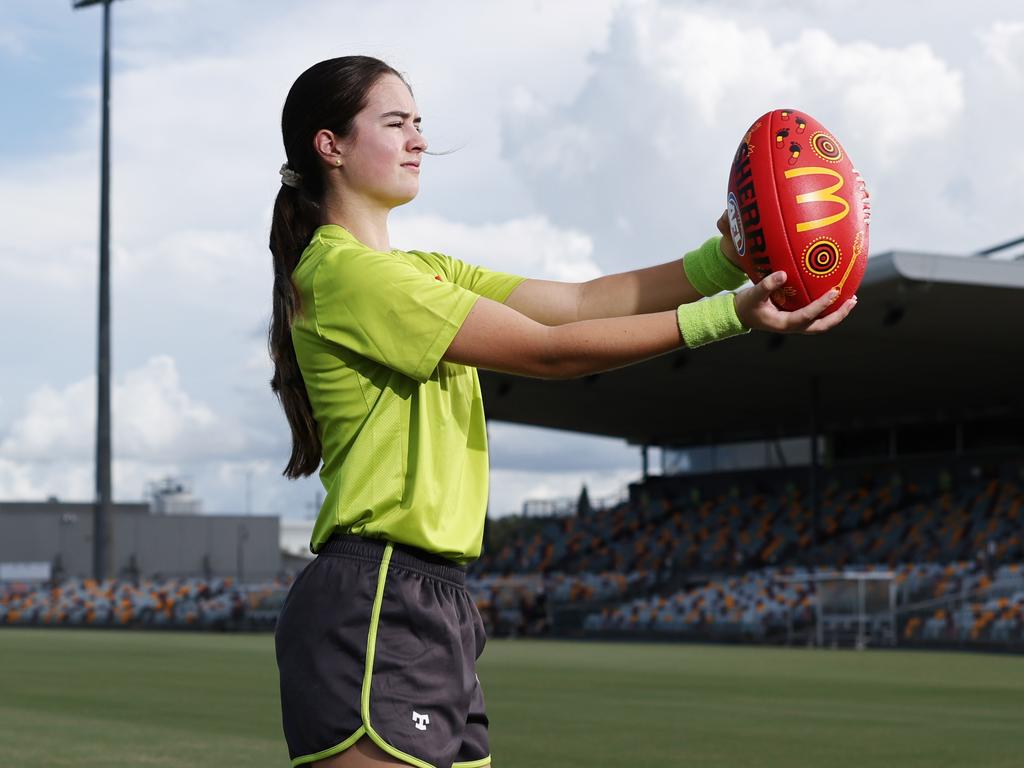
(337, 161)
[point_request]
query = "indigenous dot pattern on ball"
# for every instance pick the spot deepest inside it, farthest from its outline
(822, 257)
(826, 147)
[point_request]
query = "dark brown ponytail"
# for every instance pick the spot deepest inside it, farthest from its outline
(328, 96)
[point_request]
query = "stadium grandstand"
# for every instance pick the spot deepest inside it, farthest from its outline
(899, 522)
(861, 488)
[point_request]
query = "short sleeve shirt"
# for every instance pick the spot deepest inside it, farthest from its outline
(402, 431)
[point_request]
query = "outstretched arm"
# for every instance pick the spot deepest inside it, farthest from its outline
(497, 337)
(637, 292)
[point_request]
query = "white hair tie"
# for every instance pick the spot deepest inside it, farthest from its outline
(289, 177)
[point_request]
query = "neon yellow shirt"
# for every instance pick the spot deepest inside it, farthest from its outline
(403, 432)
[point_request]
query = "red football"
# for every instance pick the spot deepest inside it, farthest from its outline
(797, 204)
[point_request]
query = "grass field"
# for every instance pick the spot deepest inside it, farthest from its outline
(112, 699)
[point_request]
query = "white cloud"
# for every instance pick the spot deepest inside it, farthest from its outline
(1004, 46)
(153, 418)
(702, 57)
(54, 419)
(75, 480)
(530, 246)
(639, 159)
(529, 463)
(43, 249)
(213, 264)
(17, 481)
(509, 489)
(718, 68)
(231, 487)
(158, 417)
(518, 447)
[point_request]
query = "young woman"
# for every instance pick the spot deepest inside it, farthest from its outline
(375, 352)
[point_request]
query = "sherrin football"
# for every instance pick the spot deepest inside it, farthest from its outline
(796, 203)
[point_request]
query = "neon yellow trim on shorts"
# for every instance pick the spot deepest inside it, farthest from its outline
(330, 751)
(371, 647)
(482, 763)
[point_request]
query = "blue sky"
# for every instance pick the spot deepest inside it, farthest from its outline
(593, 137)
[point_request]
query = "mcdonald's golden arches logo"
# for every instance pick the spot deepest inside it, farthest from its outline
(823, 195)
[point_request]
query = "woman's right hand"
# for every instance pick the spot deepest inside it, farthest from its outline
(755, 309)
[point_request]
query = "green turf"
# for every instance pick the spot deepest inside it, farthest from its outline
(111, 699)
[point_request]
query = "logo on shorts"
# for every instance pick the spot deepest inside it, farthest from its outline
(422, 721)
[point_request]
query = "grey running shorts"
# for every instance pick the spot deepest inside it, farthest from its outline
(381, 639)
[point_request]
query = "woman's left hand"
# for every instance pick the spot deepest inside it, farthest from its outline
(756, 310)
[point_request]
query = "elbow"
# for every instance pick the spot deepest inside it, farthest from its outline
(549, 355)
(545, 367)
(567, 370)
(555, 370)
(557, 364)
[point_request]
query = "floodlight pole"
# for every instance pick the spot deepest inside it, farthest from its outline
(102, 523)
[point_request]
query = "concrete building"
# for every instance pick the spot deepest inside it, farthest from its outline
(246, 547)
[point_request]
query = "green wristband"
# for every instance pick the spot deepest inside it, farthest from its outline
(708, 320)
(709, 271)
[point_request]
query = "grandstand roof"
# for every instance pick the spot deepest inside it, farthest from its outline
(934, 338)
